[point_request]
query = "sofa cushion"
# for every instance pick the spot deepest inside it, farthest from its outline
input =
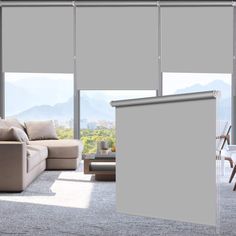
(6, 134)
(35, 155)
(13, 134)
(41, 130)
(3, 124)
(68, 148)
(8, 123)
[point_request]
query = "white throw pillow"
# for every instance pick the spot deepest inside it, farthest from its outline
(41, 130)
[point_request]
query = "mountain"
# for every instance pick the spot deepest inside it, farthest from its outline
(25, 92)
(94, 106)
(215, 85)
(17, 99)
(91, 109)
(225, 99)
(60, 112)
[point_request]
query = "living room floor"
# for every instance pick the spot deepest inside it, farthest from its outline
(71, 203)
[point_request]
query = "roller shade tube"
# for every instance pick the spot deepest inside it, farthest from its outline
(82, 3)
(35, 3)
(166, 99)
(118, 3)
(195, 3)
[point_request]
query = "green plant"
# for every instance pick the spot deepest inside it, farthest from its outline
(91, 137)
(64, 133)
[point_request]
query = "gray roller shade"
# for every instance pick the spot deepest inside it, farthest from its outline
(197, 39)
(166, 164)
(117, 48)
(38, 39)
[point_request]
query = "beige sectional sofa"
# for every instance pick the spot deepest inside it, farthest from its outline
(21, 163)
(62, 154)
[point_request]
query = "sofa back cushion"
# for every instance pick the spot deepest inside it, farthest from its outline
(41, 130)
(13, 134)
(8, 123)
(6, 134)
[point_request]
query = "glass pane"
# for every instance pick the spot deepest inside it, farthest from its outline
(97, 117)
(37, 96)
(177, 83)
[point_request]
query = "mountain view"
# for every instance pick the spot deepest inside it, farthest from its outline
(24, 91)
(49, 96)
(28, 104)
(225, 98)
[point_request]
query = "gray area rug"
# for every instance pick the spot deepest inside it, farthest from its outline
(70, 203)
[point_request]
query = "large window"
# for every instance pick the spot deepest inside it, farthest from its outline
(34, 96)
(177, 83)
(97, 117)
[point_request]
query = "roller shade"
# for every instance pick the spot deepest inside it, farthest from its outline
(117, 48)
(197, 39)
(180, 172)
(38, 39)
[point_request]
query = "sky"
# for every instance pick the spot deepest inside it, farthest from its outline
(32, 90)
(175, 81)
(58, 88)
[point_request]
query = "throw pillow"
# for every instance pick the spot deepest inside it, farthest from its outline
(13, 134)
(41, 130)
(20, 135)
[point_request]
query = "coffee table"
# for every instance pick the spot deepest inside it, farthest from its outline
(104, 168)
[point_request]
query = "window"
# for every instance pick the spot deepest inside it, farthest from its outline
(97, 117)
(177, 83)
(39, 96)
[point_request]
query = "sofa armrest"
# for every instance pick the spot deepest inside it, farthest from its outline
(12, 166)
